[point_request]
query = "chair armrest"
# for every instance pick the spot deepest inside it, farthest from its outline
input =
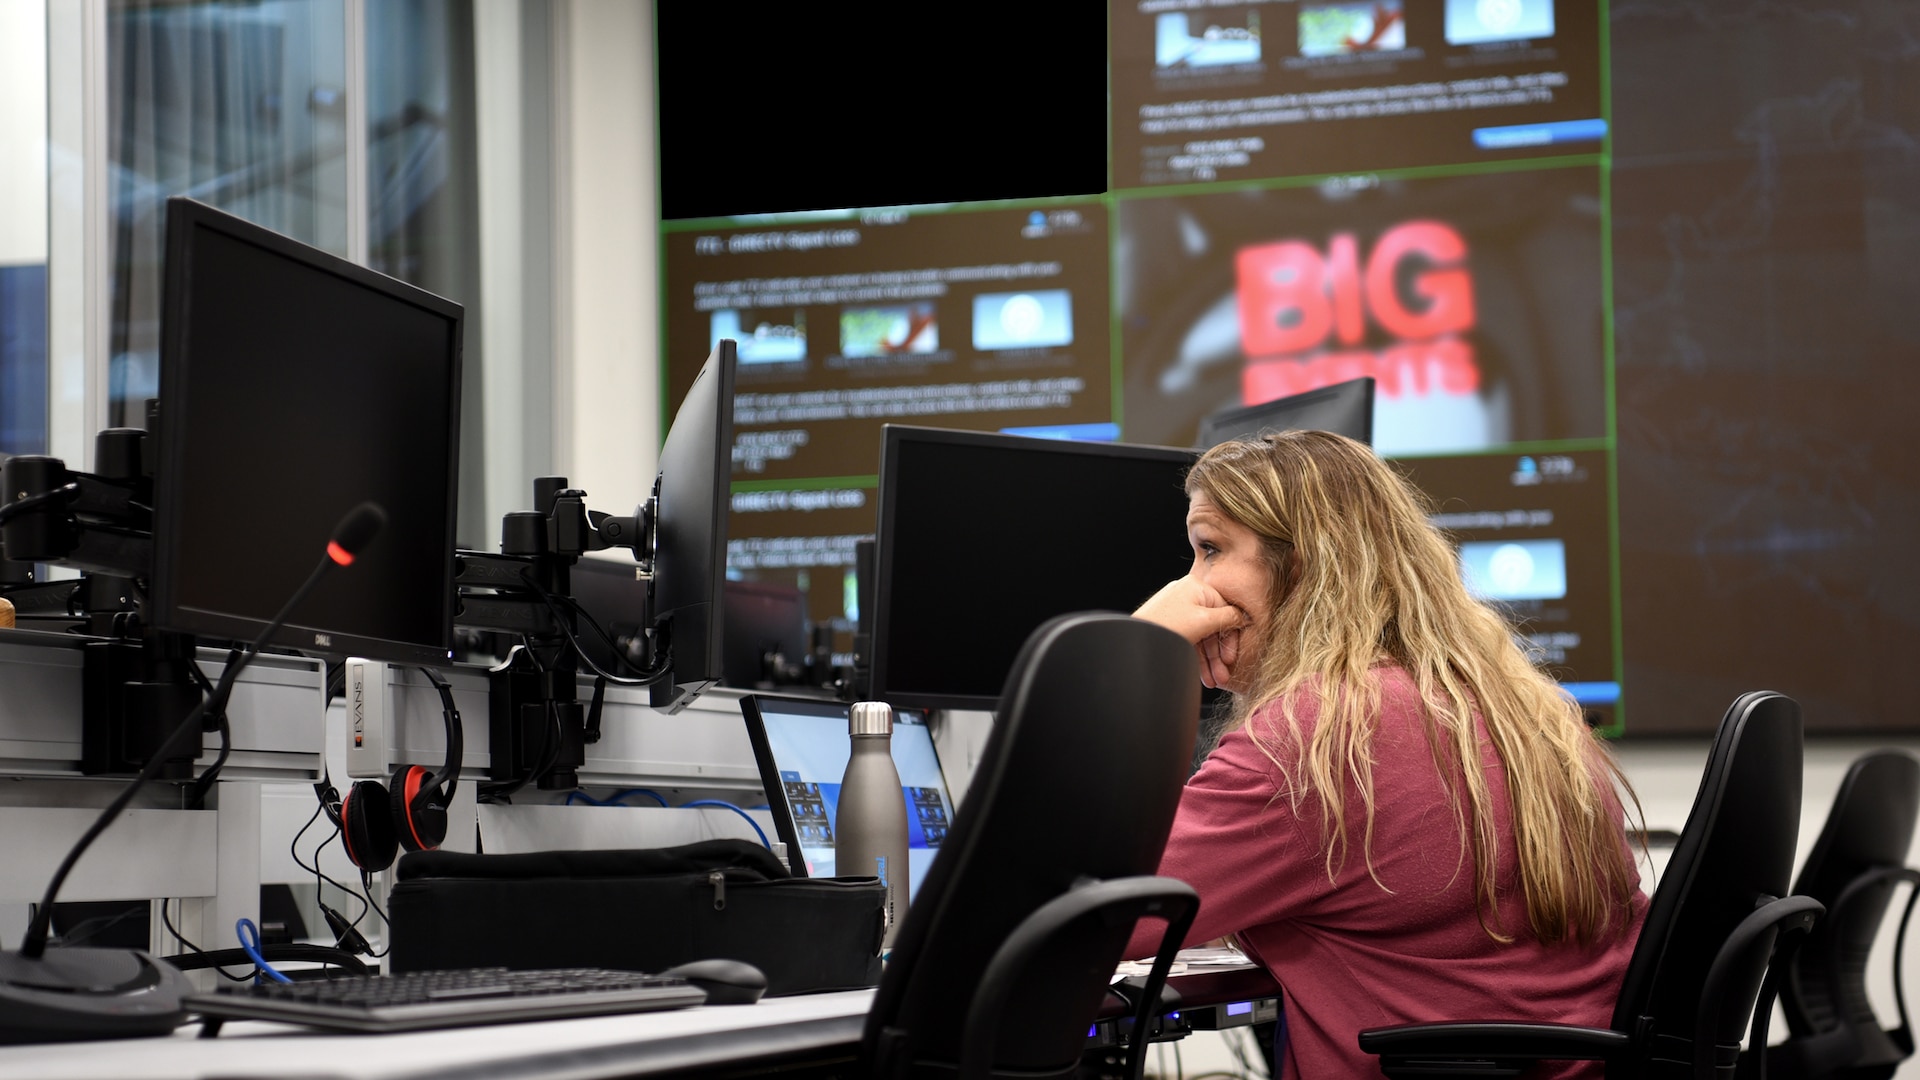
(1495, 1039)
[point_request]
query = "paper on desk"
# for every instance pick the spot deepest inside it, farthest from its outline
(1216, 957)
(1127, 969)
(1196, 959)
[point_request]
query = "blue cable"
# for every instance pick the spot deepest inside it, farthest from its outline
(250, 944)
(614, 799)
(758, 831)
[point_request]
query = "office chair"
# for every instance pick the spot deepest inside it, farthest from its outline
(1854, 868)
(1005, 956)
(1701, 967)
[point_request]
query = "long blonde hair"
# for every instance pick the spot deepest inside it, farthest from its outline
(1361, 576)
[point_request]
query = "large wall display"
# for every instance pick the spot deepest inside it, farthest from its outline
(1636, 281)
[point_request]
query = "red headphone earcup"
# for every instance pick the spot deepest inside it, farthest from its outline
(420, 823)
(366, 827)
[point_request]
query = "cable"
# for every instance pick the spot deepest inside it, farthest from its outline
(366, 888)
(167, 921)
(318, 954)
(661, 670)
(758, 831)
(318, 877)
(9, 511)
(614, 799)
(549, 753)
(250, 944)
(86, 928)
(613, 646)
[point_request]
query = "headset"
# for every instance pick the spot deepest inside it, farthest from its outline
(377, 821)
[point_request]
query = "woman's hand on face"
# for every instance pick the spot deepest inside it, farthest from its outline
(1217, 657)
(1195, 612)
(1191, 609)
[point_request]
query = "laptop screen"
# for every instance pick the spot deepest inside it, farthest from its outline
(802, 748)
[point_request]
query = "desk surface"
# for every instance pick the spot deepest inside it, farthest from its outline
(640, 1044)
(807, 1027)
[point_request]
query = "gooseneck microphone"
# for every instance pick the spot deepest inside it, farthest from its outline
(355, 532)
(104, 993)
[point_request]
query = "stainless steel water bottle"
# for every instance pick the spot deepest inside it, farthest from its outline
(870, 826)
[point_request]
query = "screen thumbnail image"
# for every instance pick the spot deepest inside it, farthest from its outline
(1338, 29)
(889, 330)
(1474, 302)
(1041, 318)
(764, 337)
(1515, 569)
(1532, 538)
(1480, 22)
(1183, 39)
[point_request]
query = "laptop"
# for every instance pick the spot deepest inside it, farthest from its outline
(801, 746)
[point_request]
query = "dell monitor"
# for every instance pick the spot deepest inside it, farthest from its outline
(983, 537)
(690, 501)
(295, 385)
(1344, 408)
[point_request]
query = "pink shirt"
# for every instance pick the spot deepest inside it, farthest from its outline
(1349, 954)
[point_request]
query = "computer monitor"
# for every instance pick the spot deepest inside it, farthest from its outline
(691, 500)
(983, 537)
(801, 747)
(1344, 408)
(295, 385)
(764, 620)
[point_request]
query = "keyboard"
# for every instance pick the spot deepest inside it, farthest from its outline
(419, 1000)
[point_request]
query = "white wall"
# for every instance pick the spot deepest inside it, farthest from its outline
(23, 132)
(608, 353)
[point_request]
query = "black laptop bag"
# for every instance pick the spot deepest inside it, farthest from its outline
(639, 910)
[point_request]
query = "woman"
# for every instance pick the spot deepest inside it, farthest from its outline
(1334, 829)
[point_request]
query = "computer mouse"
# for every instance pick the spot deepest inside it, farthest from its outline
(727, 982)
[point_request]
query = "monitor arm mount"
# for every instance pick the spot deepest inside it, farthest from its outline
(538, 729)
(137, 682)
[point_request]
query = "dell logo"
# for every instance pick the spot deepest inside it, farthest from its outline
(323, 641)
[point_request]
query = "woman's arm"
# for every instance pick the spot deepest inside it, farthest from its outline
(1238, 846)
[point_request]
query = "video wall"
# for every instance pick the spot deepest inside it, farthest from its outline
(1566, 240)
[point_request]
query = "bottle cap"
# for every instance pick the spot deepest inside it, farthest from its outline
(870, 718)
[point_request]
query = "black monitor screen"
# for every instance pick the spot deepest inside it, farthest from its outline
(295, 385)
(690, 532)
(1344, 408)
(983, 537)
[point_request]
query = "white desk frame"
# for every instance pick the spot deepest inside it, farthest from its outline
(208, 858)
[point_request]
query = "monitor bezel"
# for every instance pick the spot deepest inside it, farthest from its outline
(892, 438)
(1361, 390)
(679, 686)
(165, 610)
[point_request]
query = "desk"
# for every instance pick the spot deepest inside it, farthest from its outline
(817, 1033)
(715, 1041)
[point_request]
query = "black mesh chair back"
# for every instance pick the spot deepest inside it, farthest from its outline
(1735, 854)
(1855, 868)
(1079, 780)
(1705, 962)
